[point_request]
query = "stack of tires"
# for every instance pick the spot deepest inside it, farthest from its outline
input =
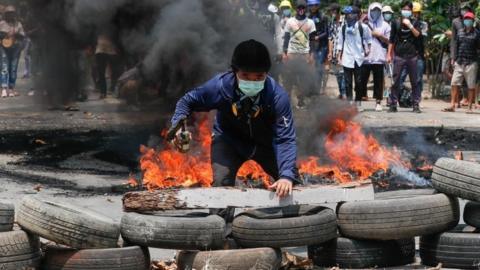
(459, 247)
(89, 240)
(18, 250)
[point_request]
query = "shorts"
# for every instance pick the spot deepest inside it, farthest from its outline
(465, 72)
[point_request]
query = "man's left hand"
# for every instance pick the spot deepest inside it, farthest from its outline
(283, 187)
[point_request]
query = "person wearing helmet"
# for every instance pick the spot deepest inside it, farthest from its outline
(376, 60)
(11, 35)
(333, 31)
(354, 44)
(417, 12)
(403, 51)
(253, 119)
(284, 13)
(466, 66)
(387, 13)
(319, 39)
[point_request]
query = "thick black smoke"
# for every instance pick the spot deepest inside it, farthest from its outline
(178, 43)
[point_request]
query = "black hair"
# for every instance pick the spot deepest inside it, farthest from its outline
(251, 56)
(356, 3)
(407, 3)
(334, 7)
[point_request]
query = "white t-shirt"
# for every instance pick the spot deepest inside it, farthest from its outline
(299, 35)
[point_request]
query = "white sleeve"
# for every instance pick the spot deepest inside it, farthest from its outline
(312, 26)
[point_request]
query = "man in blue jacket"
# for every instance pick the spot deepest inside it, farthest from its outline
(253, 122)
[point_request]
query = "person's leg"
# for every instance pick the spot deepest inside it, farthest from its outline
(4, 71)
(265, 157)
(471, 78)
(403, 76)
(101, 60)
(225, 162)
(365, 71)
(13, 68)
(456, 83)
(420, 71)
(398, 65)
(412, 74)
(357, 74)
(27, 57)
(378, 82)
(116, 66)
(322, 55)
(348, 76)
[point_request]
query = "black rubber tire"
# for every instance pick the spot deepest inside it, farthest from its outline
(127, 258)
(67, 224)
(454, 249)
(471, 214)
(18, 250)
(199, 231)
(7, 215)
(350, 253)
(236, 259)
(284, 228)
(457, 178)
(400, 194)
(398, 218)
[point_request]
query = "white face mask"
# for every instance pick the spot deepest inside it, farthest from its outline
(250, 88)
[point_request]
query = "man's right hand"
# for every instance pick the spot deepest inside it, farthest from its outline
(389, 58)
(284, 57)
(329, 57)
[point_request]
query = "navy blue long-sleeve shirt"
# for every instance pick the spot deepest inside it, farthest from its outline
(273, 128)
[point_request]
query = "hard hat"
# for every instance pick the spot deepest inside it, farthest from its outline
(417, 7)
(387, 9)
(10, 8)
(251, 56)
(313, 2)
(285, 3)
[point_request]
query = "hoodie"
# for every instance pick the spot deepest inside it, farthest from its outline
(378, 52)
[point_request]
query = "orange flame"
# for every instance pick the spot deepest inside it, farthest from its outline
(355, 156)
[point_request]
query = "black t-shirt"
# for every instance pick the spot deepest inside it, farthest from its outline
(406, 44)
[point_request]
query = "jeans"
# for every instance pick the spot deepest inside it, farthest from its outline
(378, 79)
(351, 75)
(420, 71)
(410, 64)
(9, 60)
(320, 57)
(27, 57)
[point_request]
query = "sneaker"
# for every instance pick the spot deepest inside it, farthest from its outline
(358, 104)
(416, 109)
(378, 108)
(392, 109)
(4, 93)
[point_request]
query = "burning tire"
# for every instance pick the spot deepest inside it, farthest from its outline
(6, 217)
(240, 259)
(128, 258)
(400, 194)
(471, 214)
(398, 218)
(67, 224)
(350, 253)
(201, 231)
(457, 178)
(285, 227)
(18, 250)
(455, 249)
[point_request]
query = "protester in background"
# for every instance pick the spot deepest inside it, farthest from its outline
(375, 62)
(319, 40)
(417, 12)
(457, 24)
(465, 67)
(354, 44)
(334, 27)
(12, 35)
(284, 13)
(297, 50)
(404, 51)
(107, 54)
(387, 13)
